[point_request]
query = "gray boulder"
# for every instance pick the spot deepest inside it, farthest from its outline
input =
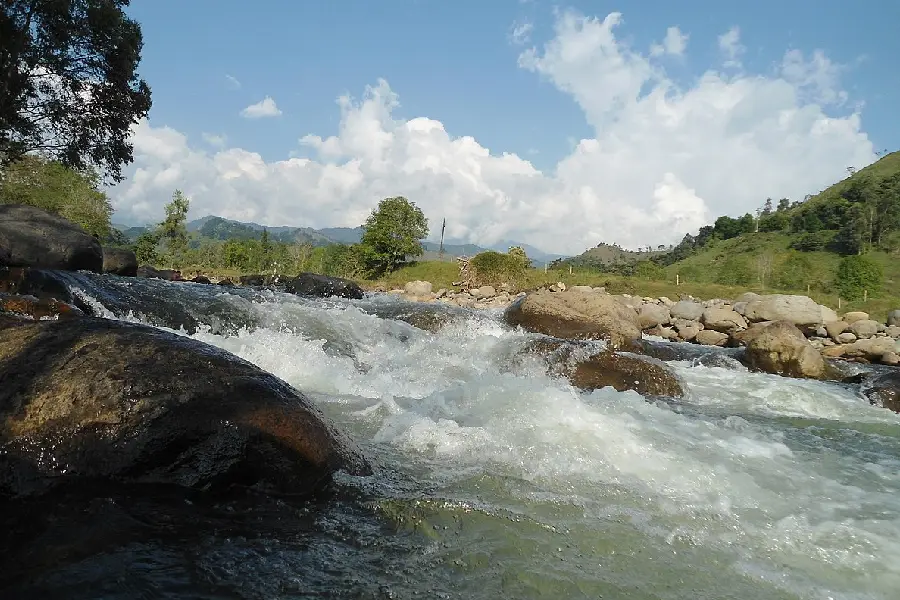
(31, 237)
(688, 310)
(120, 261)
(797, 310)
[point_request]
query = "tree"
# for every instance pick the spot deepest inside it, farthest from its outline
(857, 275)
(173, 230)
(392, 232)
(518, 253)
(767, 208)
(68, 83)
(145, 248)
(783, 205)
(53, 187)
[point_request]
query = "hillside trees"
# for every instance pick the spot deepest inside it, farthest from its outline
(392, 232)
(69, 89)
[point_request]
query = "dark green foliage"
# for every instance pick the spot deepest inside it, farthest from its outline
(813, 242)
(68, 82)
(392, 233)
(145, 248)
(776, 221)
(857, 275)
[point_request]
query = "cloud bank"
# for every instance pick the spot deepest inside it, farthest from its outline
(663, 160)
(264, 108)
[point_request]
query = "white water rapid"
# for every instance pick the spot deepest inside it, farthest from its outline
(509, 483)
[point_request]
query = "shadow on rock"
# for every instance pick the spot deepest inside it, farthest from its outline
(105, 400)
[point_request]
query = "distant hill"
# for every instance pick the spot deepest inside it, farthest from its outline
(609, 257)
(219, 228)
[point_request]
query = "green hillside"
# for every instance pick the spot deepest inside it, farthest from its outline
(799, 246)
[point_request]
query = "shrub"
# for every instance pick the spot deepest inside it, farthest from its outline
(490, 268)
(794, 273)
(856, 275)
(649, 270)
(735, 270)
(812, 242)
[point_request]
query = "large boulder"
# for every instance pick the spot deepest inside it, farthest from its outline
(322, 286)
(798, 310)
(781, 348)
(120, 261)
(864, 328)
(723, 319)
(31, 237)
(653, 315)
(856, 315)
(575, 316)
(417, 288)
(687, 310)
(93, 399)
(893, 319)
(711, 337)
(589, 370)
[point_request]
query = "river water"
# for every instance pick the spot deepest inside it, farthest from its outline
(494, 480)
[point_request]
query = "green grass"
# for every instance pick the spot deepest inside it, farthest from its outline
(443, 274)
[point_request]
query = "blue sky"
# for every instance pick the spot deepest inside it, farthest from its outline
(457, 63)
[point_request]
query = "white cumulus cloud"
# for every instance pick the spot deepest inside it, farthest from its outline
(675, 43)
(731, 47)
(662, 160)
(521, 32)
(264, 108)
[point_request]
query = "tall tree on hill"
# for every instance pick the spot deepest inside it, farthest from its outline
(68, 83)
(392, 232)
(173, 229)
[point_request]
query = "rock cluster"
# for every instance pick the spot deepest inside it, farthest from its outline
(481, 297)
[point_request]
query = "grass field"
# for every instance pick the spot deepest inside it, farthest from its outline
(442, 275)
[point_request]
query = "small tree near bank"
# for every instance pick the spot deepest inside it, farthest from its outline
(857, 275)
(173, 229)
(392, 232)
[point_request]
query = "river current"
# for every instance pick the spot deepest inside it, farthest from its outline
(493, 479)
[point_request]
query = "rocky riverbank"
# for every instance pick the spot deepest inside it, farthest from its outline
(715, 322)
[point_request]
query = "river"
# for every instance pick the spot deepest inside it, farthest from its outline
(492, 479)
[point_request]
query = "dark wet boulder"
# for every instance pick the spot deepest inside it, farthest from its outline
(153, 273)
(884, 390)
(576, 315)
(254, 280)
(201, 279)
(322, 286)
(120, 261)
(226, 283)
(588, 369)
(40, 283)
(99, 400)
(31, 237)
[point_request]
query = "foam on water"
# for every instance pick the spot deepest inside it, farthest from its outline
(793, 484)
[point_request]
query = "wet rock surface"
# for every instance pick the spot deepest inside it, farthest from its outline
(589, 369)
(120, 261)
(92, 399)
(322, 286)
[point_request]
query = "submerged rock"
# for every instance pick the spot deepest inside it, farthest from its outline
(31, 237)
(37, 308)
(120, 261)
(164, 274)
(575, 316)
(91, 398)
(593, 370)
(884, 390)
(322, 286)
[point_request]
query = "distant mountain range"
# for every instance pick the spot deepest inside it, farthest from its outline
(219, 228)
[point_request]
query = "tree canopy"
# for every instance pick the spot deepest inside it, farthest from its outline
(69, 89)
(392, 232)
